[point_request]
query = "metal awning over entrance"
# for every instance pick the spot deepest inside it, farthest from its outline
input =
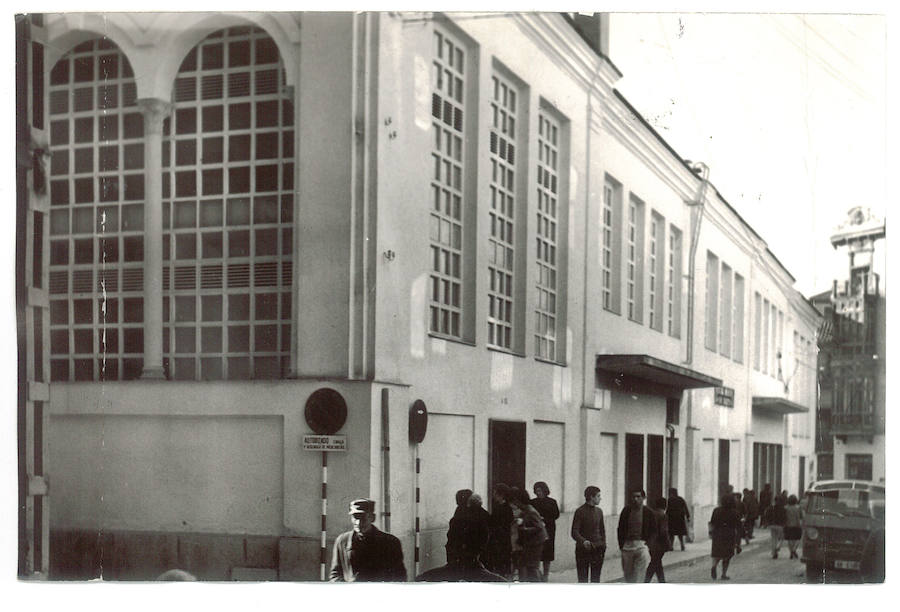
(777, 405)
(646, 374)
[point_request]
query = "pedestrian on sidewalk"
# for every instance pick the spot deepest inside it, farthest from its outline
(775, 517)
(725, 531)
(793, 522)
(660, 544)
(765, 502)
(677, 515)
(549, 511)
(752, 506)
(499, 546)
(637, 527)
(589, 534)
(531, 536)
(455, 531)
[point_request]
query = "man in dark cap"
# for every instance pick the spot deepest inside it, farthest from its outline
(366, 554)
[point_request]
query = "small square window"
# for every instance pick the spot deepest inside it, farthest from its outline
(239, 243)
(185, 246)
(134, 156)
(211, 340)
(185, 340)
(107, 250)
(185, 152)
(239, 53)
(133, 125)
(83, 220)
(84, 191)
(84, 69)
(185, 214)
(213, 150)
(213, 118)
(211, 306)
(265, 210)
(59, 132)
(133, 340)
(59, 312)
(108, 369)
(59, 192)
(213, 56)
(186, 184)
(211, 213)
(266, 178)
(84, 159)
(84, 341)
(267, 242)
(132, 368)
(59, 222)
(109, 160)
(108, 340)
(133, 218)
(238, 307)
(133, 310)
(59, 370)
(133, 248)
(59, 342)
(186, 121)
(84, 369)
(107, 219)
(82, 312)
(238, 211)
(267, 145)
(238, 368)
(212, 181)
(109, 188)
(266, 368)
(59, 162)
(267, 113)
(134, 187)
(59, 252)
(266, 307)
(239, 180)
(211, 368)
(239, 147)
(84, 129)
(108, 310)
(238, 339)
(212, 244)
(109, 127)
(239, 116)
(84, 250)
(60, 73)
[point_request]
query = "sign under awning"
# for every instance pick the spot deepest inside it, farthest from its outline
(777, 405)
(646, 374)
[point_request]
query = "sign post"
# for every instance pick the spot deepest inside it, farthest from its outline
(418, 425)
(326, 413)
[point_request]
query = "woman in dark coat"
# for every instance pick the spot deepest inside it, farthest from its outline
(677, 514)
(531, 535)
(549, 511)
(725, 532)
(499, 553)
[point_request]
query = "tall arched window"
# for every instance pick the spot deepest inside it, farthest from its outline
(96, 216)
(228, 212)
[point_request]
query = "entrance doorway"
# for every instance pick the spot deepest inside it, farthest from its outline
(507, 451)
(655, 463)
(634, 463)
(724, 466)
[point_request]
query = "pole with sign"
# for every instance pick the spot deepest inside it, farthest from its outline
(418, 424)
(326, 413)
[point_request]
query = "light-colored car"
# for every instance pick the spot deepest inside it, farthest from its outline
(838, 517)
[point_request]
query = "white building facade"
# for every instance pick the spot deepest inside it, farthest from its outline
(245, 208)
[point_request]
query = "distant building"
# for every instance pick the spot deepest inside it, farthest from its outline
(850, 421)
(243, 209)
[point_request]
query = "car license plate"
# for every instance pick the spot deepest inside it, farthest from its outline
(848, 565)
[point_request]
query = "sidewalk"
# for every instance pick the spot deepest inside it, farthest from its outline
(612, 564)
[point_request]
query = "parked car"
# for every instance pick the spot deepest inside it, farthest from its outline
(839, 517)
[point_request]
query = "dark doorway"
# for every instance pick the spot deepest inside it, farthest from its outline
(634, 463)
(802, 484)
(724, 466)
(655, 464)
(507, 450)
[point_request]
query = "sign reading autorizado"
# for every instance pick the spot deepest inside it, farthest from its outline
(314, 442)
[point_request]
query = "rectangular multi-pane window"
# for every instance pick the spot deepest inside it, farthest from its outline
(634, 263)
(502, 212)
(96, 217)
(738, 319)
(712, 301)
(610, 257)
(228, 210)
(725, 311)
(765, 336)
(546, 315)
(657, 269)
(780, 339)
(673, 283)
(447, 184)
(773, 340)
(757, 330)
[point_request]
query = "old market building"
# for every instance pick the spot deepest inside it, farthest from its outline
(242, 209)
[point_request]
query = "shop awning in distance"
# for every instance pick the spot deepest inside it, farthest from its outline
(777, 405)
(646, 374)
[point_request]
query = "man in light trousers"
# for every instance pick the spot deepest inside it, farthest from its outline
(637, 527)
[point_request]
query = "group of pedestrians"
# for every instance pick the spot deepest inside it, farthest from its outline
(733, 521)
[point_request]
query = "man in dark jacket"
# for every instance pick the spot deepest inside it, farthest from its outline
(752, 507)
(661, 544)
(589, 534)
(365, 553)
(637, 527)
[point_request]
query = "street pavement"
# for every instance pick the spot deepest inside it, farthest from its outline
(754, 565)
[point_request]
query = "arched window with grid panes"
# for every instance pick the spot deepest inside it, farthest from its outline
(96, 216)
(228, 182)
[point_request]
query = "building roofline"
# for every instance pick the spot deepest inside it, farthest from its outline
(590, 44)
(721, 198)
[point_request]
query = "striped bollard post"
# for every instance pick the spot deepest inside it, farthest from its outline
(322, 550)
(418, 469)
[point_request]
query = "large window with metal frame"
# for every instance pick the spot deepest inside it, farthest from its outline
(503, 150)
(610, 245)
(725, 305)
(656, 269)
(634, 262)
(737, 343)
(712, 301)
(228, 161)
(448, 96)
(546, 314)
(96, 216)
(673, 283)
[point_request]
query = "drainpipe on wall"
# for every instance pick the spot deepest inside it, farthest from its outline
(697, 209)
(385, 462)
